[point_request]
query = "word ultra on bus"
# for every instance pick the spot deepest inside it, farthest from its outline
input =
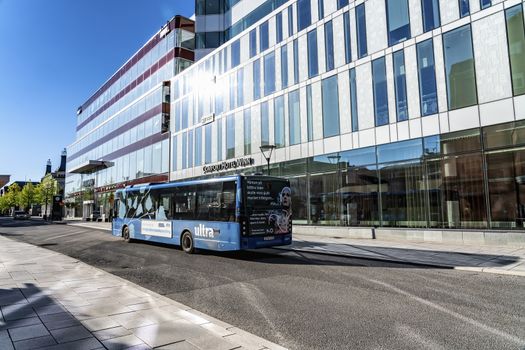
(226, 213)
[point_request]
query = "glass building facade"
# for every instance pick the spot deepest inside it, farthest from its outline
(377, 118)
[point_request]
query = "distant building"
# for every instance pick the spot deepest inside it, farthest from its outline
(59, 175)
(4, 179)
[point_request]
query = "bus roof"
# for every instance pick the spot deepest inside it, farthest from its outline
(194, 182)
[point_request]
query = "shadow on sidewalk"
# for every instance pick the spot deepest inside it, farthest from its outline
(409, 255)
(31, 319)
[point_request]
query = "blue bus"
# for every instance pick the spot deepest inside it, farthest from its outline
(223, 214)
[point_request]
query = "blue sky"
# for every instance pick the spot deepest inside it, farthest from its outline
(53, 55)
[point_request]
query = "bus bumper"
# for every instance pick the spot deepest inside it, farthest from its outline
(255, 242)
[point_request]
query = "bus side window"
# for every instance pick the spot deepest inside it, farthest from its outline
(228, 201)
(208, 207)
(184, 202)
(164, 207)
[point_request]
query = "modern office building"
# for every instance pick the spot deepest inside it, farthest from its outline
(122, 133)
(406, 116)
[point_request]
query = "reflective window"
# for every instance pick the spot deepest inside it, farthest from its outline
(265, 124)
(207, 146)
(294, 118)
(198, 146)
(253, 42)
(278, 120)
(353, 101)
(464, 8)
(485, 3)
(361, 30)
(240, 87)
(230, 136)
(290, 20)
(400, 85)
(256, 79)
(329, 45)
(269, 73)
(504, 135)
(233, 89)
(330, 97)
(279, 27)
(190, 149)
(247, 125)
(427, 78)
(430, 9)
(313, 66)
(309, 113)
(400, 151)
(284, 66)
(236, 53)
(320, 9)
(263, 37)
(398, 21)
(516, 44)
(295, 62)
(304, 15)
(219, 139)
(348, 45)
(341, 3)
(459, 67)
(380, 91)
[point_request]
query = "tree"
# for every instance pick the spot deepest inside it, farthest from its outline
(11, 197)
(27, 197)
(46, 190)
(3, 205)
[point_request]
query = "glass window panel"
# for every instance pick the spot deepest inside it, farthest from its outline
(320, 9)
(325, 201)
(506, 172)
(329, 45)
(461, 141)
(219, 139)
(459, 66)
(304, 16)
(485, 3)
(313, 66)
(198, 146)
(207, 151)
(504, 135)
(309, 113)
(247, 125)
(464, 8)
(403, 195)
(330, 97)
(290, 20)
(361, 30)
(294, 118)
(240, 87)
(265, 124)
(359, 157)
(156, 165)
(353, 101)
(190, 149)
(348, 45)
(263, 36)
(253, 42)
(230, 136)
(236, 53)
(516, 44)
(278, 119)
(427, 78)
(380, 91)
(295, 62)
(400, 85)
(400, 151)
(269, 73)
(284, 66)
(360, 195)
(398, 21)
(233, 89)
(256, 79)
(341, 3)
(279, 27)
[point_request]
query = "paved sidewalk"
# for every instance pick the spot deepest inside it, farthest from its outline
(51, 301)
(493, 259)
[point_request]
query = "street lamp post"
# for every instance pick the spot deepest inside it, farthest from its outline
(267, 153)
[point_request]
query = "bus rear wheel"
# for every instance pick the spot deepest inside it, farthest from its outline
(186, 243)
(125, 234)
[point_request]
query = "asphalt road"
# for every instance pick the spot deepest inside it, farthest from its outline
(310, 301)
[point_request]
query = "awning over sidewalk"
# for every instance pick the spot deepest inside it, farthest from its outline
(91, 166)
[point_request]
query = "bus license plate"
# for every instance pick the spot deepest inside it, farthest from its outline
(269, 238)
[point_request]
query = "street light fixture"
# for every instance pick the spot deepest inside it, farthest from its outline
(267, 151)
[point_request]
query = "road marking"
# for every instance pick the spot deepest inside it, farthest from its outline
(473, 322)
(64, 235)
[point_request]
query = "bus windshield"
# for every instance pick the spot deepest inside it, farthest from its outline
(268, 206)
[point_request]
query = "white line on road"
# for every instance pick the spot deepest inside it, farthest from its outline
(64, 235)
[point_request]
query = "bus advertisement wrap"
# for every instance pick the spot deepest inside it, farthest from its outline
(270, 206)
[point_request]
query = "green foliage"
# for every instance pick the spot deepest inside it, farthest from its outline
(46, 190)
(26, 197)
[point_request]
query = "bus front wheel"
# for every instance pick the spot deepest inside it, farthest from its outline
(125, 234)
(186, 242)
